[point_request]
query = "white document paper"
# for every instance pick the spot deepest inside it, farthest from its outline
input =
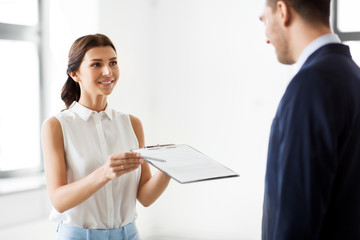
(184, 163)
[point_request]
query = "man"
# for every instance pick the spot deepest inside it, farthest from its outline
(312, 184)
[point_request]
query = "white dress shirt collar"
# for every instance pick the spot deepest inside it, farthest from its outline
(85, 112)
(315, 45)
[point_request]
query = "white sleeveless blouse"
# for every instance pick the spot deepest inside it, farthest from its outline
(89, 138)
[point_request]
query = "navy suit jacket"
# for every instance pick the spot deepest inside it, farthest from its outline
(312, 183)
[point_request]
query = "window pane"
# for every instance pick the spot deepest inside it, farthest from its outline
(23, 12)
(348, 15)
(19, 102)
(355, 50)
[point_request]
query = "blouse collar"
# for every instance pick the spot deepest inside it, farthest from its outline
(85, 112)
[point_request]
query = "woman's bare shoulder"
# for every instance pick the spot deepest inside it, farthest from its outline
(51, 124)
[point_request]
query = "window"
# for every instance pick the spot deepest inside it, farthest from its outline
(20, 115)
(345, 23)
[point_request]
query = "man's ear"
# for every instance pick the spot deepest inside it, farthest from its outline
(74, 76)
(284, 11)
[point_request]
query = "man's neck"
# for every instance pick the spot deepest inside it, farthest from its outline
(303, 34)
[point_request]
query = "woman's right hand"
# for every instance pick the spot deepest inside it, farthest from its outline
(121, 163)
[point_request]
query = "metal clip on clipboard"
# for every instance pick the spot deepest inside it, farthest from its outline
(158, 146)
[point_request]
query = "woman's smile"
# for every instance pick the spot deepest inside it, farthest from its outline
(106, 82)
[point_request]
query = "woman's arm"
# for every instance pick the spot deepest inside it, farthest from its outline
(150, 187)
(64, 195)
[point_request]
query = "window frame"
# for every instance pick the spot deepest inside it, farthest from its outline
(29, 34)
(344, 36)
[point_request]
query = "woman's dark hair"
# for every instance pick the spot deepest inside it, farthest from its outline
(71, 89)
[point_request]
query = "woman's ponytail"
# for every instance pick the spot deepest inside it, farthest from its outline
(70, 92)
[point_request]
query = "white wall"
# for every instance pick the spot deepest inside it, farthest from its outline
(199, 72)
(195, 72)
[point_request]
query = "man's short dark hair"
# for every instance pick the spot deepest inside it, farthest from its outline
(309, 10)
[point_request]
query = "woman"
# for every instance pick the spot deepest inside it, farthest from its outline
(92, 178)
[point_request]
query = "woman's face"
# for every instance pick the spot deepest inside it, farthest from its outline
(98, 72)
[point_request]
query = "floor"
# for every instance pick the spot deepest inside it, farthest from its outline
(41, 229)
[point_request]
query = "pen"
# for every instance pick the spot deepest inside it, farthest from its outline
(152, 158)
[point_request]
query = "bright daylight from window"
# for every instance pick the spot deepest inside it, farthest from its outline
(348, 15)
(349, 21)
(19, 98)
(20, 85)
(23, 12)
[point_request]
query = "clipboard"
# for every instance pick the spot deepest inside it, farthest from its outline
(184, 163)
